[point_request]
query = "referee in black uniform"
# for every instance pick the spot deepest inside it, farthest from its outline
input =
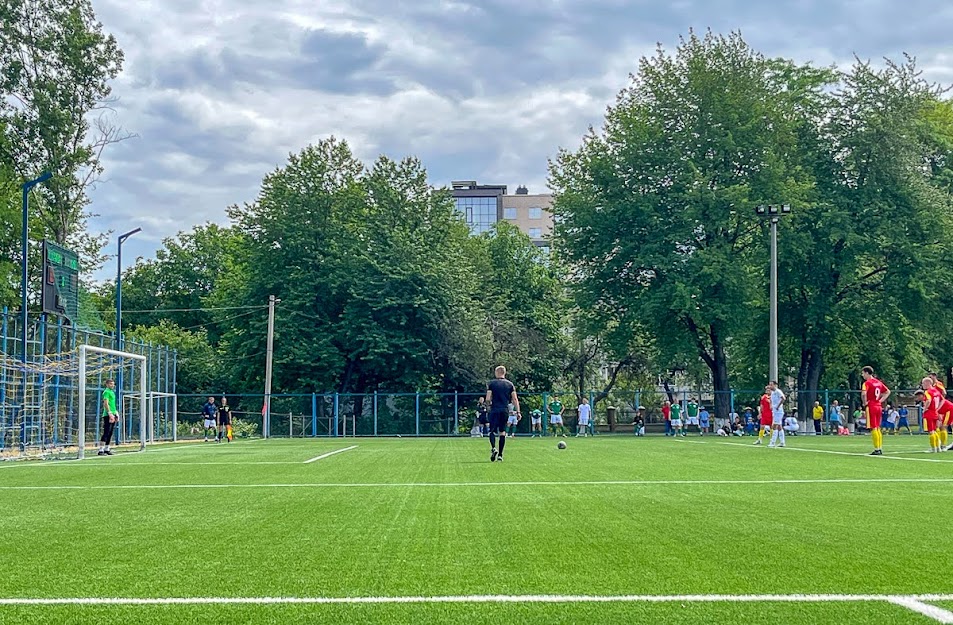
(500, 392)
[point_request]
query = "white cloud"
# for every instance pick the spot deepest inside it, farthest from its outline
(220, 91)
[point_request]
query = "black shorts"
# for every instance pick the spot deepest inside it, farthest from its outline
(481, 419)
(224, 421)
(498, 421)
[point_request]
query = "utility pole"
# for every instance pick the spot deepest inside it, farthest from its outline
(269, 357)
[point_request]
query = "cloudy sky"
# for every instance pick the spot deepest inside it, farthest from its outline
(219, 92)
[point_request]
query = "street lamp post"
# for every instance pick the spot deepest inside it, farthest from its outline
(773, 213)
(121, 240)
(25, 250)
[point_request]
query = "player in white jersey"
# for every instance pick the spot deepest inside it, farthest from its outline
(585, 413)
(777, 416)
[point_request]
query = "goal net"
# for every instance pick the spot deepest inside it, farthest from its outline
(51, 407)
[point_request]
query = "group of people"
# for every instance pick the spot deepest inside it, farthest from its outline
(694, 416)
(217, 420)
(557, 427)
(895, 418)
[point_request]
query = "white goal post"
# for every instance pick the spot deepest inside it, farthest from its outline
(143, 406)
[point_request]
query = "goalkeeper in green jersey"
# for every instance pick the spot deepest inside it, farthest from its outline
(110, 418)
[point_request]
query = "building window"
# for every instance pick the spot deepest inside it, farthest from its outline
(535, 233)
(479, 212)
(509, 213)
(535, 212)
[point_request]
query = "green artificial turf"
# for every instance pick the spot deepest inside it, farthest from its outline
(425, 517)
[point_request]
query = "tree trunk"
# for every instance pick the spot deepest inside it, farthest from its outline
(719, 376)
(808, 379)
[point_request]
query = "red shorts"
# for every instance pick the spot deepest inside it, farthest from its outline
(874, 413)
(931, 423)
(766, 421)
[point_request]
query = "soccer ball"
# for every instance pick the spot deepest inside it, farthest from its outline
(561, 445)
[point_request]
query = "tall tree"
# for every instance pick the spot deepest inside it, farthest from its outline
(860, 249)
(655, 210)
(370, 270)
(54, 96)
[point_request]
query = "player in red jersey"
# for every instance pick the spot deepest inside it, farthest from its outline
(764, 411)
(874, 392)
(932, 404)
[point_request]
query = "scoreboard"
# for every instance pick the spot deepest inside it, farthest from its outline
(60, 292)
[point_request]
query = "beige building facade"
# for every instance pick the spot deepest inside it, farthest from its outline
(531, 213)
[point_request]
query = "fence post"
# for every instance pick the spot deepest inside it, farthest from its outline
(456, 412)
(314, 415)
(335, 415)
(375, 413)
(417, 410)
(731, 405)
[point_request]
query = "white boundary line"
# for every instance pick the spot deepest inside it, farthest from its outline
(935, 612)
(330, 453)
(846, 453)
(899, 480)
(907, 601)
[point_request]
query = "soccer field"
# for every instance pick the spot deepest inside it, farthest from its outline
(610, 530)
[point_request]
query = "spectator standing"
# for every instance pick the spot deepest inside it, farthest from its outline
(704, 421)
(903, 412)
(667, 415)
(818, 415)
(210, 417)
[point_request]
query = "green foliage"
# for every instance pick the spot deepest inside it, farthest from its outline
(200, 365)
(10, 215)
(57, 63)
(656, 209)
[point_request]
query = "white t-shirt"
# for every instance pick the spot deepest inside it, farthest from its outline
(893, 416)
(777, 403)
(585, 410)
(791, 423)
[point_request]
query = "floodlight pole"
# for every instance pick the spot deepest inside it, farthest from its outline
(773, 213)
(25, 250)
(120, 240)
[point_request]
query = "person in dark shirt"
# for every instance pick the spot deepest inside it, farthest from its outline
(500, 393)
(224, 420)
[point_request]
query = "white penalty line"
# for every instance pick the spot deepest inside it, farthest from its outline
(330, 453)
(888, 480)
(845, 453)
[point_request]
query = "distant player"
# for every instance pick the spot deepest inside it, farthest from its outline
(691, 411)
(536, 421)
(585, 413)
(932, 402)
(704, 421)
(764, 412)
(500, 392)
(667, 415)
(110, 418)
(556, 417)
(224, 420)
(777, 415)
(482, 418)
(873, 393)
(677, 420)
(512, 420)
(209, 414)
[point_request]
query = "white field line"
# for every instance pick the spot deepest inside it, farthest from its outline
(913, 602)
(935, 612)
(899, 480)
(845, 453)
(330, 453)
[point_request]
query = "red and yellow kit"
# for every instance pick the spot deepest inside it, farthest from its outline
(765, 410)
(873, 390)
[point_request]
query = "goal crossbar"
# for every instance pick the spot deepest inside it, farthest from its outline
(83, 350)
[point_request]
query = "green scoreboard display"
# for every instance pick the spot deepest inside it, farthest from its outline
(60, 291)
